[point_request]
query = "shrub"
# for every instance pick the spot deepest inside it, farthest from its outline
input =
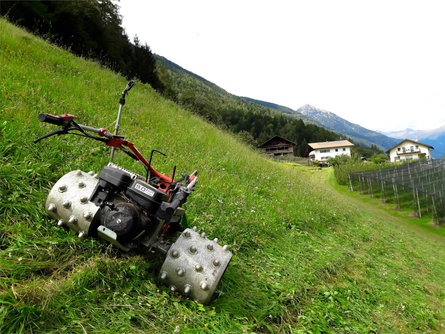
(341, 171)
(340, 160)
(379, 158)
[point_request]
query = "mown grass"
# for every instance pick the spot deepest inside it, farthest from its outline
(306, 258)
(406, 212)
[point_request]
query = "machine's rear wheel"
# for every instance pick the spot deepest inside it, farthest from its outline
(68, 201)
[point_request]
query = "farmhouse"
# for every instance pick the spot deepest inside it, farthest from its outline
(277, 146)
(409, 149)
(329, 149)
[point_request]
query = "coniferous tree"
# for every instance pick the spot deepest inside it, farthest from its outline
(89, 28)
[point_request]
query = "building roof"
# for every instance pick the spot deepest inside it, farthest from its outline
(412, 141)
(275, 138)
(331, 144)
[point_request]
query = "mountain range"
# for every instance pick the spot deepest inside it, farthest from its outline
(359, 134)
(331, 121)
(284, 110)
(327, 119)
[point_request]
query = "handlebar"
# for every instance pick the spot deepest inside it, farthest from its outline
(129, 86)
(69, 126)
(66, 120)
(55, 119)
(49, 134)
(101, 132)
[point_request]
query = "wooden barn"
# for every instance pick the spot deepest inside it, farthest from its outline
(277, 146)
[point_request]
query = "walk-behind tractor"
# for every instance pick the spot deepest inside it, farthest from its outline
(132, 211)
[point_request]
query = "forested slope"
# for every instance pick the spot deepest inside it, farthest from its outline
(305, 258)
(254, 123)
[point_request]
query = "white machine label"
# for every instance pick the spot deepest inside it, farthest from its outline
(144, 190)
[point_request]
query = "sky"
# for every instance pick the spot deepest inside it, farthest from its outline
(380, 64)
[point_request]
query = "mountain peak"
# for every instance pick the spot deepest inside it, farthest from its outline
(314, 112)
(335, 123)
(308, 106)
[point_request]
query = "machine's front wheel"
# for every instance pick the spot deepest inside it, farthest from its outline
(195, 265)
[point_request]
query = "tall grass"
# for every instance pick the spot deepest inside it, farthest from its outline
(305, 258)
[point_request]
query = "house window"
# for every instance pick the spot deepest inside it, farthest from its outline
(344, 149)
(336, 150)
(398, 148)
(325, 151)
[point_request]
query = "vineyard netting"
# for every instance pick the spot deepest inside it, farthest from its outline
(418, 185)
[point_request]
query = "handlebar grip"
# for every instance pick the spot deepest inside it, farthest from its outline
(47, 118)
(130, 85)
(56, 120)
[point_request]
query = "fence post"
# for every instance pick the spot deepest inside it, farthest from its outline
(418, 204)
(351, 188)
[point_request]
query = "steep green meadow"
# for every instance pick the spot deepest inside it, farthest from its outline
(306, 258)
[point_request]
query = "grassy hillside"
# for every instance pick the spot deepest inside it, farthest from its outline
(306, 259)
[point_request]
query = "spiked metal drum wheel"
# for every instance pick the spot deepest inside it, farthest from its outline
(194, 265)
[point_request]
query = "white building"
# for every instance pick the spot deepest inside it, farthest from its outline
(409, 149)
(329, 149)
